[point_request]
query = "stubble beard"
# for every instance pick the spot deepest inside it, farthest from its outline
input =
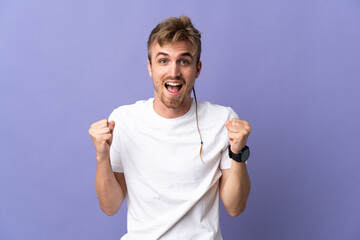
(174, 102)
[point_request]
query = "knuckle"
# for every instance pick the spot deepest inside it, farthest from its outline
(243, 132)
(92, 132)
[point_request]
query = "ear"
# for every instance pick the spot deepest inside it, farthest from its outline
(198, 69)
(149, 68)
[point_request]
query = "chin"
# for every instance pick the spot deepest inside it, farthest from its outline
(172, 103)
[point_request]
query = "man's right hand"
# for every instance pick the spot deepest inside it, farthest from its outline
(101, 133)
(110, 187)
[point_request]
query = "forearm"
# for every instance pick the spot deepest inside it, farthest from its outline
(235, 189)
(108, 189)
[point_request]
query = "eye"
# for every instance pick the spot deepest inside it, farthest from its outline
(184, 62)
(163, 61)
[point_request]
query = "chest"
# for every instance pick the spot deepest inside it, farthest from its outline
(168, 157)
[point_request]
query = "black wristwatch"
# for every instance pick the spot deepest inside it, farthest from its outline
(241, 156)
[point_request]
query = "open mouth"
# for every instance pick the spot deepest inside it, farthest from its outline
(173, 87)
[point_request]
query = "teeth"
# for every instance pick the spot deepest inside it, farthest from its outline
(174, 84)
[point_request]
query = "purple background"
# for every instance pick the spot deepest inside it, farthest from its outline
(291, 68)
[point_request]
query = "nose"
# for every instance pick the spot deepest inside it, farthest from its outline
(174, 70)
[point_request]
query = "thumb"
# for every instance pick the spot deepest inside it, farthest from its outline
(227, 124)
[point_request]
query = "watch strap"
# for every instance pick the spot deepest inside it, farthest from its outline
(239, 157)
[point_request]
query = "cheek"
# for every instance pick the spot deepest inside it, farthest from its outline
(159, 73)
(157, 79)
(192, 76)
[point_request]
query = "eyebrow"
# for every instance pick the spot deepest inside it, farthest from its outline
(185, 54)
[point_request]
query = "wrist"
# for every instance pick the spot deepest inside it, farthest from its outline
(102, 157)
(237, 149)
(242, 156)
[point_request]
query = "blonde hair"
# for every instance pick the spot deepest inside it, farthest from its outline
(172, 30)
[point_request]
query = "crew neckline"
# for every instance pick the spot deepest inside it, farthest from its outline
(188, 114)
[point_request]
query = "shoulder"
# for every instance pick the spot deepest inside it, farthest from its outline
(129, 111)
(208, 109)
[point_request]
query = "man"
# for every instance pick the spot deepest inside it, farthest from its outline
(170, 154)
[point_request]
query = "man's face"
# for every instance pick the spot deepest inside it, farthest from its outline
(174, 68)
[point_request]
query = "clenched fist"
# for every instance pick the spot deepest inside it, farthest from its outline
(101, 133)
(238, 132)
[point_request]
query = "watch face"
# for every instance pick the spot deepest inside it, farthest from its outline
(245, 155)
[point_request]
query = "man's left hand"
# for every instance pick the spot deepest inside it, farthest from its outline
(238, 132)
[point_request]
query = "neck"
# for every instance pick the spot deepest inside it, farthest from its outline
(166, 112)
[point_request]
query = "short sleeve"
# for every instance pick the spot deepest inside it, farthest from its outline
(115, 156)
(225, 161)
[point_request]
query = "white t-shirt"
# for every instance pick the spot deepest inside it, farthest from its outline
(172, 194)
